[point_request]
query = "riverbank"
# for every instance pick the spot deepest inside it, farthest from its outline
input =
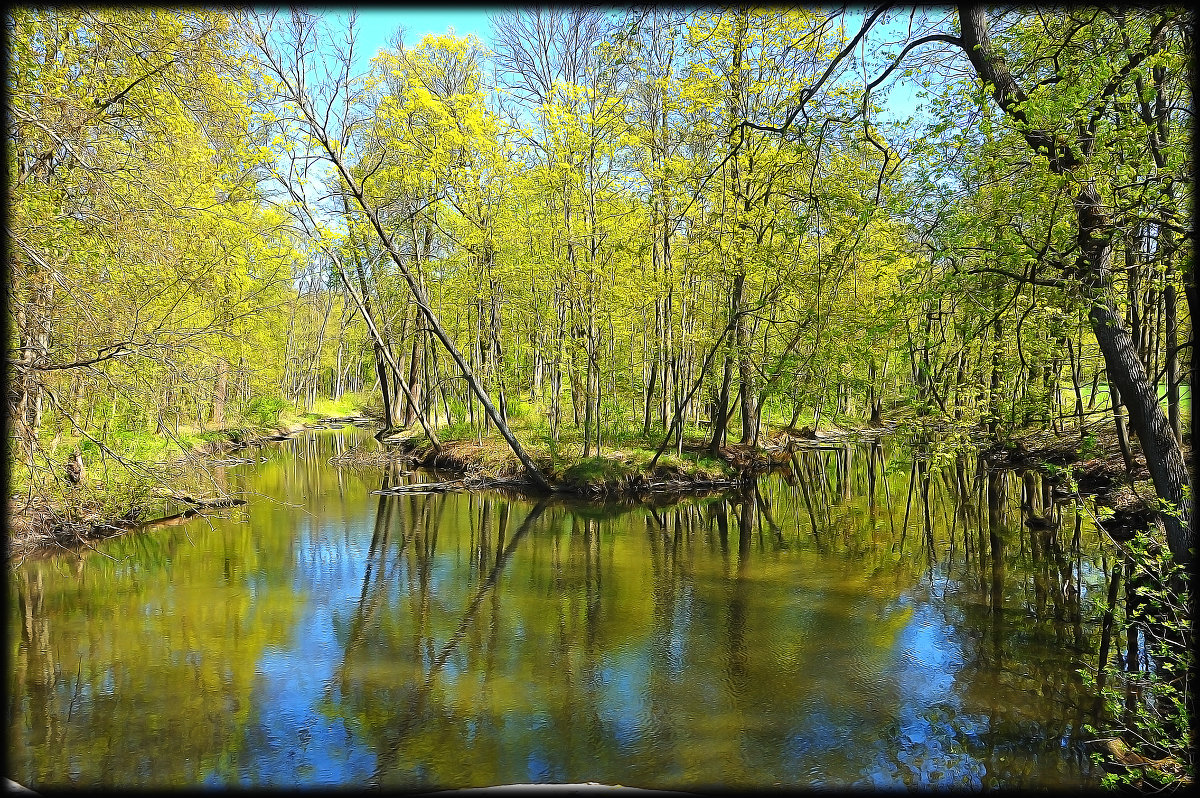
(1088, 465)
(75, 519)
(617, 471)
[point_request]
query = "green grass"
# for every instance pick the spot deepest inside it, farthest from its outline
(624, 450)
(597, 469)
(348, 404)
(1102, 397)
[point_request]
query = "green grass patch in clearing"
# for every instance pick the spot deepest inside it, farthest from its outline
(696, 467)
(458, 431)
(348, 404)
(595, 470)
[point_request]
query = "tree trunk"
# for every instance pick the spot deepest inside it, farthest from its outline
(1159, 444)
(1126, 370)
(747, 395)
(217, 415)
(381, 371)
(720, 418)
(649, 403)
(1172, 358)
(1076, 369)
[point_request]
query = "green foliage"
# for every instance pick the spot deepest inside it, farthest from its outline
(146, 270)
(372, 406)
(1148, 707)
(1088, 445)
(604, 233)
(458, 431)
(264, 410)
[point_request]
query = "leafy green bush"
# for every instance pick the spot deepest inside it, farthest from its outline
(458, 431)
(264, 410)
(1088, 446)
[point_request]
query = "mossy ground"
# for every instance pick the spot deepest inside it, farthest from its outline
(616, 469)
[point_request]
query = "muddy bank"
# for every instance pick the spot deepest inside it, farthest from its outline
(1092, 465)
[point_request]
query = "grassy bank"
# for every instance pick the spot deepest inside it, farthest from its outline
(124, 481)
(1090, 464)
(612, 472)
(620, 467)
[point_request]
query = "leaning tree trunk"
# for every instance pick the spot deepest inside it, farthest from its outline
(431, 319)
(1125, 369)
(1127, 373)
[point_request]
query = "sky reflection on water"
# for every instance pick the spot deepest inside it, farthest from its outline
(463, 640)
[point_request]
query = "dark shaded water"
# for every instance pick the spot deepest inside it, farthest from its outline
(860, 620)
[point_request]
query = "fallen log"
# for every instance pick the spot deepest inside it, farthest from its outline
(229, 461)
(1123, 759)
(212, 502)
(423, 487)
(173, 520)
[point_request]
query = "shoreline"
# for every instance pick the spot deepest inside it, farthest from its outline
(1091, 465)
(36, 530)
(1088, 465)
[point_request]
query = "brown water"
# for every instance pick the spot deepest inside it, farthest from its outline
(865, 619)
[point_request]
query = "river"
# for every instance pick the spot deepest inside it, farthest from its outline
(864, 618)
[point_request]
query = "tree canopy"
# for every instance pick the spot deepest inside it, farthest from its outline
(642, 224)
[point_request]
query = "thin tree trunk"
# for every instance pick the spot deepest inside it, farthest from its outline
(1172, 355)
(721, 417)
(217, 414)
(1076, 368)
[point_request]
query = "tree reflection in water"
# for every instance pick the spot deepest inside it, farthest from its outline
(862, 616)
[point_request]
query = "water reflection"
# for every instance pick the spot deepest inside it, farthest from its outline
(862, 617)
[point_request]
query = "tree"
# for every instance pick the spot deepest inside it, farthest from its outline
(1109, 134)
(136, 236)
(287, 64)
(1076, 155)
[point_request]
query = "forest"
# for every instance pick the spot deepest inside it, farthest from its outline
(613, 228)
(606, 242)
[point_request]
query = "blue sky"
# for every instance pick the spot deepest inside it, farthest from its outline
(377, 24)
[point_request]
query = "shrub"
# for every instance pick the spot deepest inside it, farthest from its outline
(458, 431)
(1148, 706)
(264, 410)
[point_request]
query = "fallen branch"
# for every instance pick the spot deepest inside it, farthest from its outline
(423, 487)
(217, 501)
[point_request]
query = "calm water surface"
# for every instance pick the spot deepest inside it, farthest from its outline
(865, 618)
